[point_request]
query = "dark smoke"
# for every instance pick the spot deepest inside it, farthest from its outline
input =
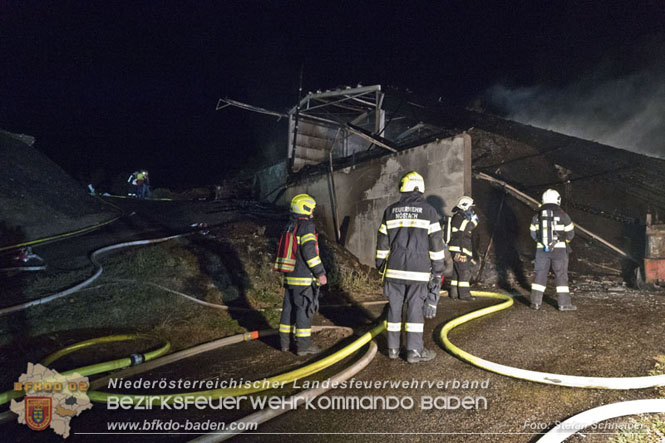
(626, 111)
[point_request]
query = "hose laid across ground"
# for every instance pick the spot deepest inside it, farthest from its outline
(580, 421)
(97, 368)
(23, 268)
(588, 418)
(539, 377)
(94, 259)
(237, 308)
(264, 415)
(60, 236)
(165, 199)
(254, 387)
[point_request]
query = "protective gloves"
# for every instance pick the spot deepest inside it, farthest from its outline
(447, 261)
(433, 294)
(471, 216)
(313, 303)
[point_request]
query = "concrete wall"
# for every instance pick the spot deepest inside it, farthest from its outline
(364, 190)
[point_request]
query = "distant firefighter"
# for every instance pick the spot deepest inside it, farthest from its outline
(143, 184)
(461, 226)
(303, 273)
(410, 253)
(552, 230)
(132, 186)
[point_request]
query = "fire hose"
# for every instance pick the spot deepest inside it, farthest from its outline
(94, 258)
(572, 381)
(577, 422)
(151, 362)
(588, 418)
(60, 236)
(540, 377)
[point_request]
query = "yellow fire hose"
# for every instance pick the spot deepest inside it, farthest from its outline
(539, 377)
(98, 367)
(288, 377)
(60, 236)
(312, 368)
(266, 414)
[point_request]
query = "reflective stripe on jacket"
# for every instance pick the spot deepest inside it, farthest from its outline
(308, 262)
(461, 232)
(409, 242)
(551, 227)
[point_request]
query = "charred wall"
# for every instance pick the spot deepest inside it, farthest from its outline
(365, 189)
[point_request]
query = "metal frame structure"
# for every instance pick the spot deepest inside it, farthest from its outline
(316, 122)
(340, 123)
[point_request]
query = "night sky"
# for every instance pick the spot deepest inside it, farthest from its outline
(114, 86)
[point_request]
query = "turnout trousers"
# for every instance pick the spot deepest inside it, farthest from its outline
(557, 259)
(460, 285)
(296, 317)
(414, 295)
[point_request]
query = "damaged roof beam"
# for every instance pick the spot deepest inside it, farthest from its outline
(533, 203)
(364, 102)
(351, 92)
(246, 107)
(320, 119)
(360, 118)
(369, 137)
(361, 90)
(336, 103)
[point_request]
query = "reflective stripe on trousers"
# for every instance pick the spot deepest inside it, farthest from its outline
(294, 312)
(461, 277)
(557, 259)
(414, 295)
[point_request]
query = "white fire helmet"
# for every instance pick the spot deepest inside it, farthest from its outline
(464, 203)
(551, 196)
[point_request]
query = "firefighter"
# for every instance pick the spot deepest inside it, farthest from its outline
(410, 254)
(143, 184)
(132, 185)
(552, 230)
(301, 286)
(461, 226)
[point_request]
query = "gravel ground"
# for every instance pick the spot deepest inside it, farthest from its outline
(610, 335)
(616, 332)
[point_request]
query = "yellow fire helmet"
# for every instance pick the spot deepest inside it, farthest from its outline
(412, 182)
(303, 204)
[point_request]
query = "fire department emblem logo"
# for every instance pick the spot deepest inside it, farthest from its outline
(38, 412)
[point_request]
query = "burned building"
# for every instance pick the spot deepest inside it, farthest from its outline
(350, 147)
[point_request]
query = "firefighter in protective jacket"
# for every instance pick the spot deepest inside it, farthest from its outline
(461, 226)
(302, 284)
(552, 230)
(410, 253)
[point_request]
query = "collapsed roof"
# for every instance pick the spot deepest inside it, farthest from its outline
(359, 122)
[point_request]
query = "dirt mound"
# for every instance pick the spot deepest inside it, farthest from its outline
(37, 197)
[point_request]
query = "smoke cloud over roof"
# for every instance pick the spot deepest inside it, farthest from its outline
(625, 111)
